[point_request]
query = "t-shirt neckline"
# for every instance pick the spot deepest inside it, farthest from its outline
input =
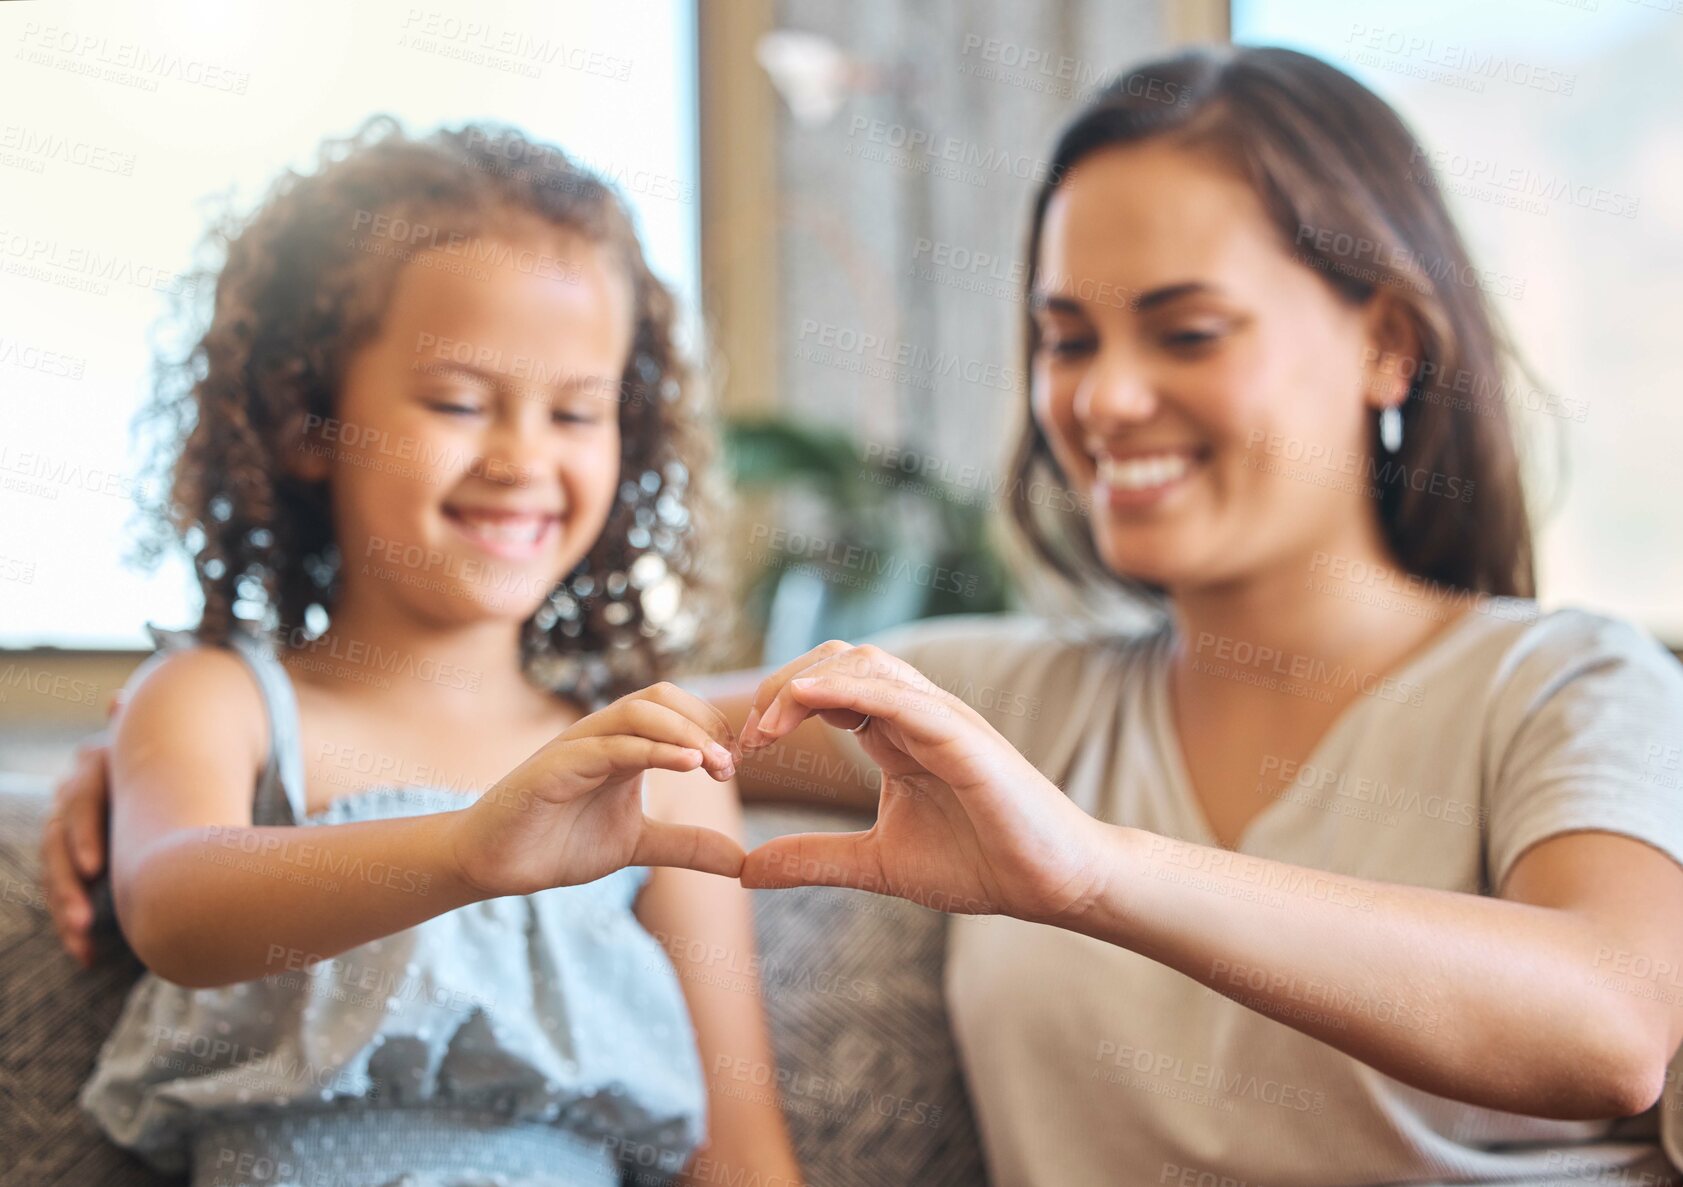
(1174, 758)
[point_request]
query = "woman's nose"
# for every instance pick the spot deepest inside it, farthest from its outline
(1114, 393)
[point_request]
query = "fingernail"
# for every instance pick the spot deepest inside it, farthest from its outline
(719, 754)
(768, 723)
(750, 735)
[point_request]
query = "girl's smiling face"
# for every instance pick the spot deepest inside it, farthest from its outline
(1183, 355)
(476, 453)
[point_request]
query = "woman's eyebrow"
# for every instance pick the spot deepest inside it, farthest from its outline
(1045, 302)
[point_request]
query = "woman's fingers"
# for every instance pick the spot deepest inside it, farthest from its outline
(917, 708)
(688, 846)
(67, 897)
(774, 683)
(814, 859)
(81, 801)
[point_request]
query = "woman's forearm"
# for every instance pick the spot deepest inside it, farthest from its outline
(218, 905)
(1479, 999)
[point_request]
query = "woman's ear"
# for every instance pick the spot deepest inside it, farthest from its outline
(1392, 358)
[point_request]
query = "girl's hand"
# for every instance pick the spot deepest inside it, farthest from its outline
(964, 824)
(573, 812)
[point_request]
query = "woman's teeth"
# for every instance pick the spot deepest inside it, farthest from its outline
(1143, 473)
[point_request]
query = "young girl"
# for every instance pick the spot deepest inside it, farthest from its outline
(436, 486)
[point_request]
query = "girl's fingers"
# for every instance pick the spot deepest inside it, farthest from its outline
(658, 723)
(688, 846)
(599, 758)
(813, 859)
(773, 684)
(703, 713)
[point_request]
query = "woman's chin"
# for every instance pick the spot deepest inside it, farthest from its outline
(1159, 562)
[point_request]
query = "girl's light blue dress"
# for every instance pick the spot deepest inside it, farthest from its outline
(527, 1041)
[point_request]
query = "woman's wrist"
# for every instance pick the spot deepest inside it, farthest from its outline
(1106, 854)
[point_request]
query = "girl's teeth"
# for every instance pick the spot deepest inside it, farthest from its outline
(517, 531)
(1143, 473)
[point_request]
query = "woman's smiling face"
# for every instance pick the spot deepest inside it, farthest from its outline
(1184, 358)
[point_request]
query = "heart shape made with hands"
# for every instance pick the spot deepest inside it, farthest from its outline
(965, 824)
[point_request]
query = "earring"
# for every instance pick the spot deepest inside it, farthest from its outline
(1390, 428)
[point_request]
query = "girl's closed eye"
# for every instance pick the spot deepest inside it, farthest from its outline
(455, 406)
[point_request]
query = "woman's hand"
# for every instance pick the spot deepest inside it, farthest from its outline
(73, 847)
(964, 822)
(573, 812)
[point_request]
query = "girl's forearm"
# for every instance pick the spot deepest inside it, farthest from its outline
(1479, 999)
(213, 906)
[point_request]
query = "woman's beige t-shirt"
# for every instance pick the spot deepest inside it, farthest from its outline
(1090, 1066)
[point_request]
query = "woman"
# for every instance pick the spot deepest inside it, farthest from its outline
(1356, 870)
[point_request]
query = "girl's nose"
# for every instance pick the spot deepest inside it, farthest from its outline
(513, 453)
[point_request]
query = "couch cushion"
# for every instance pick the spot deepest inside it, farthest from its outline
(867, 1070)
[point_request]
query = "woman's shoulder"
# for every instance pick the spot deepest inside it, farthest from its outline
(1531, 646)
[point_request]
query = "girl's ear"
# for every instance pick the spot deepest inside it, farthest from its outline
(1392, 359)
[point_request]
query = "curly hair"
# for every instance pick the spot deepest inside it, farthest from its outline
(296, 294)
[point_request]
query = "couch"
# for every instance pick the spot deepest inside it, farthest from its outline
(852, 985)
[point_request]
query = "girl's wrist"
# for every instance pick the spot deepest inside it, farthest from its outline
(460, 882)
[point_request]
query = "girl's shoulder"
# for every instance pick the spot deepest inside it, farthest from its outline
(189, 688)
